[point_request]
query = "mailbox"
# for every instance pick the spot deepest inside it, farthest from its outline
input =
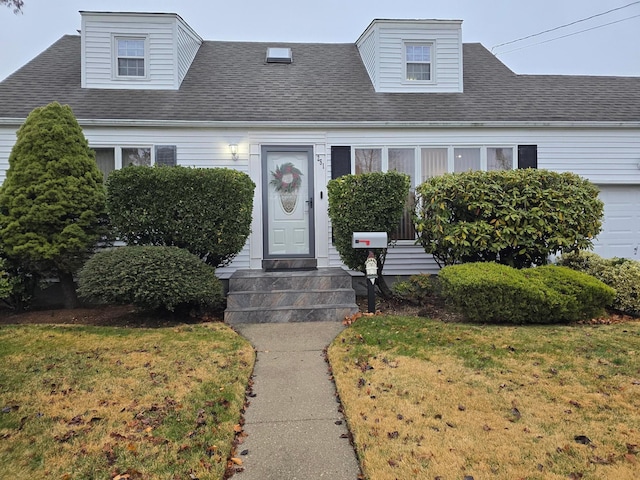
(369, 240)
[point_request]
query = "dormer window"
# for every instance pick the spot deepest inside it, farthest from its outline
(131, 56)
(418, 61)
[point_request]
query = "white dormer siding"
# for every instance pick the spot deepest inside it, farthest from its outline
(383, 49)
(188, 44)
(161, 47)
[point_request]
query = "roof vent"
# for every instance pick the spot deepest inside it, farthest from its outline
(279, 55)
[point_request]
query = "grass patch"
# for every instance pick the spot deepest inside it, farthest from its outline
(427, 399)
(95, 402)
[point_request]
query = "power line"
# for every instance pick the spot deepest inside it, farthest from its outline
(568, 35)
(565, 25)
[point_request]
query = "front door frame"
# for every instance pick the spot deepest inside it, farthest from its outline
(308, 149)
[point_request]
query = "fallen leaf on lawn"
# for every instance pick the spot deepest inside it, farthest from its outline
(575, 476)
(132, 448)
(583, 439)
(237, 428)
(236, 460)
(66, 437)
(77, 420)
(603, 461)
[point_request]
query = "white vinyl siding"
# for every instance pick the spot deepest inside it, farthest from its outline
(369, 54)
(387, 69)
(188, 45)
(170, 46)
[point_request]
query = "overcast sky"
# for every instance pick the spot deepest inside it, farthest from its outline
(608, 50)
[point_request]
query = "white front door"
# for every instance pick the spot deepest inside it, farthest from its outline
(287, 185)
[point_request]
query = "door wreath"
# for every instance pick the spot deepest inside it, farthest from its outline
(286, 181)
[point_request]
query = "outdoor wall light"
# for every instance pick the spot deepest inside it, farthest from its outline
(233, 148)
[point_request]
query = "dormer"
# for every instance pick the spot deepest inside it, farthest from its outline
(414, 56)
(144, 51)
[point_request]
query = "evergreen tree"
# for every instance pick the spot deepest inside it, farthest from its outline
(52, 202)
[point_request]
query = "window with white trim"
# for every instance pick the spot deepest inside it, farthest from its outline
(115, 158)
(418, 61)
(424, 162)
(500, 158)
(131, 57)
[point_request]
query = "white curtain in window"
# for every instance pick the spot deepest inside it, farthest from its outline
(105, 158)
(465, 159)
(434, 162)
(403, 160)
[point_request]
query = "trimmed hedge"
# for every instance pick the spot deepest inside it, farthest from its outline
(619, 273)
(149, 277)
(494, 293)
(514, 217)
(585, 296)
(207, 211)
(367, 202)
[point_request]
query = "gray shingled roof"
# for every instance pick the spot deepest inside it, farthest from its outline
(230, 81)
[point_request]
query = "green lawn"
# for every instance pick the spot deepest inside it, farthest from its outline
(104, 403)
(427, 399)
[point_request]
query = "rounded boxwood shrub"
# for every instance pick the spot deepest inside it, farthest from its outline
(619, 273)
(494, 293)
(149, 277)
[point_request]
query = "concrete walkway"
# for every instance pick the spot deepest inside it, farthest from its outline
(293, 425)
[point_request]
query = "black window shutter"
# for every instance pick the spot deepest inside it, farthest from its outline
(527, 156)
(166, 155)
(340, 161)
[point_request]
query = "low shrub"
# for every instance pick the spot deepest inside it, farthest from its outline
(150, 277)
(416, 289)
(621, 274)
(490, 292)
(586, 297)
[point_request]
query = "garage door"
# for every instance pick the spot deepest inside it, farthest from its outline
(620, 236)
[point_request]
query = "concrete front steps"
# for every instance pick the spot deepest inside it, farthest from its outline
(257, 296)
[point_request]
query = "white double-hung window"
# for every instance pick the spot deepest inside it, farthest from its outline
(418, 61)
(131, 58)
